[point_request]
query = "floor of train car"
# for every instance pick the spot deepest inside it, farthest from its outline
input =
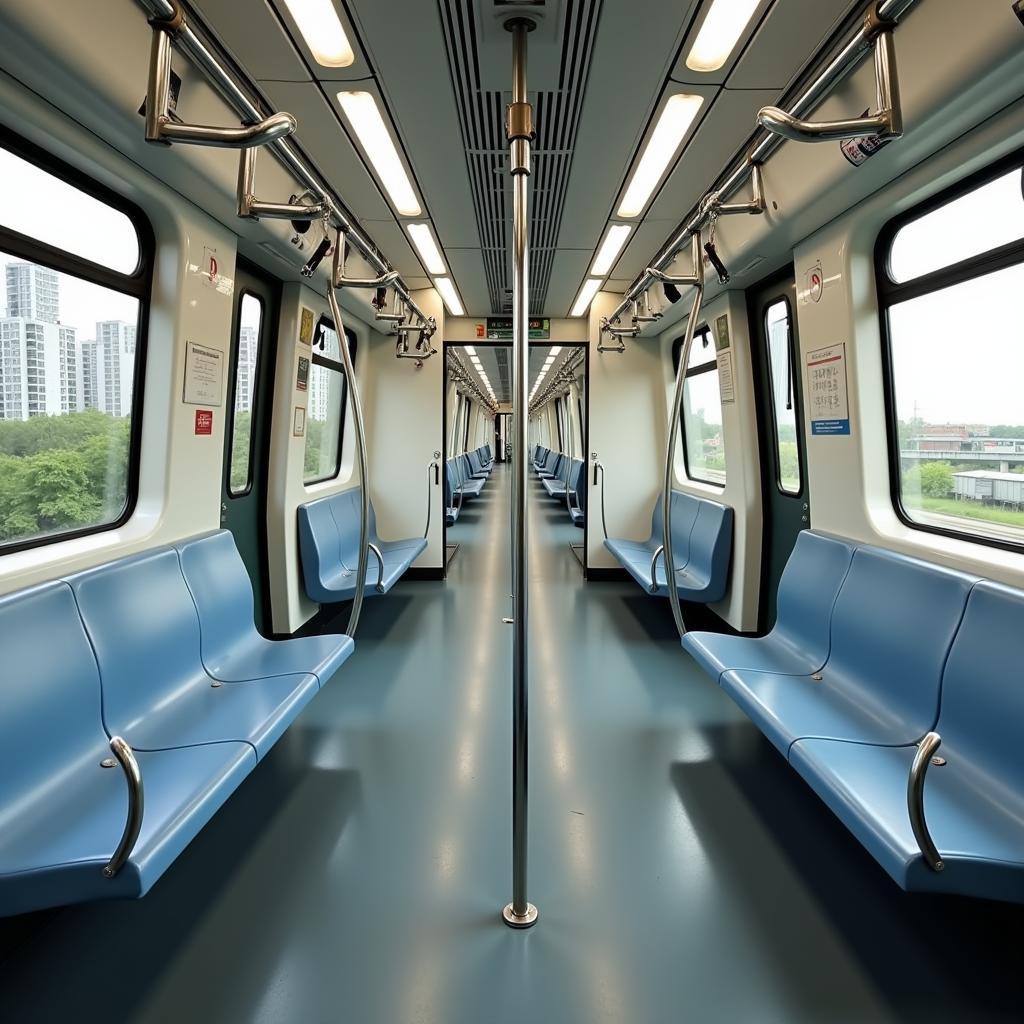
(682, 870)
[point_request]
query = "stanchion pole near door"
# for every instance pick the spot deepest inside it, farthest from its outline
(520, 913)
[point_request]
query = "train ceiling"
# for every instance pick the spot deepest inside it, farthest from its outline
(601, 72)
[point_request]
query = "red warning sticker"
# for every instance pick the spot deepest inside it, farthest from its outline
(204, 421)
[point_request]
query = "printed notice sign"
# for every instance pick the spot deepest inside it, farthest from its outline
(722, 332)
(302, 375)
(299, 422)
(726, 381)
(204, 422)
(204, 375)
(826, 390)
(306, 326)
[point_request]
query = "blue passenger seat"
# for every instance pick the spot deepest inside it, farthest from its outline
(329, 549)
(799, 643)
(974, 801)
(701, 550)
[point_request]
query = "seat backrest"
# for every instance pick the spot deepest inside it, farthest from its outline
(578, 485)
(144, 628)
(982, 713)
(473, 458)
(892, 627)
(684, 514)
(551, 461)
(50, 720)
(711, 541)
(221, 589)
(808, 590)
(346, 507)
(319, 540)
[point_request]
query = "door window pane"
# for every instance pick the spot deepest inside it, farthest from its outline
(67, 383)
(779, 344)
(247, 351)
(703, 439)
(325, 413)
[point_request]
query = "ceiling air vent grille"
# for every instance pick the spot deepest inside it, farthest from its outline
(482, 122)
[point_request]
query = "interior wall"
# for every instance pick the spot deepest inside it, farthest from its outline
(627, 434)
(742, 490)
(849, 475)
(173, 459)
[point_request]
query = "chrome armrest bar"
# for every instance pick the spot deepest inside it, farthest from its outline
(250, 206)
(915, 800)
(658, 552)
(161, 128)
(886, 123)
(136, 806)
(831, 69)
(599, 467)
(240, 94)
(380, 567)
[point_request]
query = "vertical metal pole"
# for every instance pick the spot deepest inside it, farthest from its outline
(519, 126)
(673, 433)
(356, 405)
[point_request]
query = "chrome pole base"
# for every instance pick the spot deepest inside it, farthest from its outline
(514, 920)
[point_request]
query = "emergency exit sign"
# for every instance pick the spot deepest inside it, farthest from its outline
(499, 328)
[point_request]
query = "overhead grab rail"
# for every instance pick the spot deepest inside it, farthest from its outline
(171, 27)
(878, 23)
(250, 206)
(885, 123)
(163, 128)
(696, 280)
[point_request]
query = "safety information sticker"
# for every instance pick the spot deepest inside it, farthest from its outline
(826, 387)
(726, 380)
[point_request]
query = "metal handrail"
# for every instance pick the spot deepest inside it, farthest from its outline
(658, 551)
(357, 418)
(886, 123)
(204, 55)
(599, 466)
(673, 431)
(915, 800)
(762, 143)
(136, 806)
(436, 467)
(380, 567)
(162, 128)
(250, 206)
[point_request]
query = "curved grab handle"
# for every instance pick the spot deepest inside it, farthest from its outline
(915, 800)
(887, 123)
(161, 128)
(249, 206)
(659, 551)
(436, 467)
(600, 466)
(136, 806)
(380, 567)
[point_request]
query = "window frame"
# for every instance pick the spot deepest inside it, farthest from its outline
(791, 355)
(233, 384)
(696, 371)
(319, 359)
(138, 285)
(891, 293)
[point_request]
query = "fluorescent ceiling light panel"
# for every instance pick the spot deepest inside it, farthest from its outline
(364, 117)
(451, 297)
(423, 238)
(323, 32)
(610, 249)
(590, 288)
(661, 148)
(719, 34)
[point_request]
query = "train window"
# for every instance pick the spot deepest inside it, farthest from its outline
(955, 406)
(778, 340)
(247, 352)
(74, 264)
(45, 208)
(703, 441)
(325, 417)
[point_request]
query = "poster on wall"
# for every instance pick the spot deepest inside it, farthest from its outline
(299, 422)
(302, 375)
(726, 380)
(722, 332)
(306, 326)
(204, 375)
(826, 390)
